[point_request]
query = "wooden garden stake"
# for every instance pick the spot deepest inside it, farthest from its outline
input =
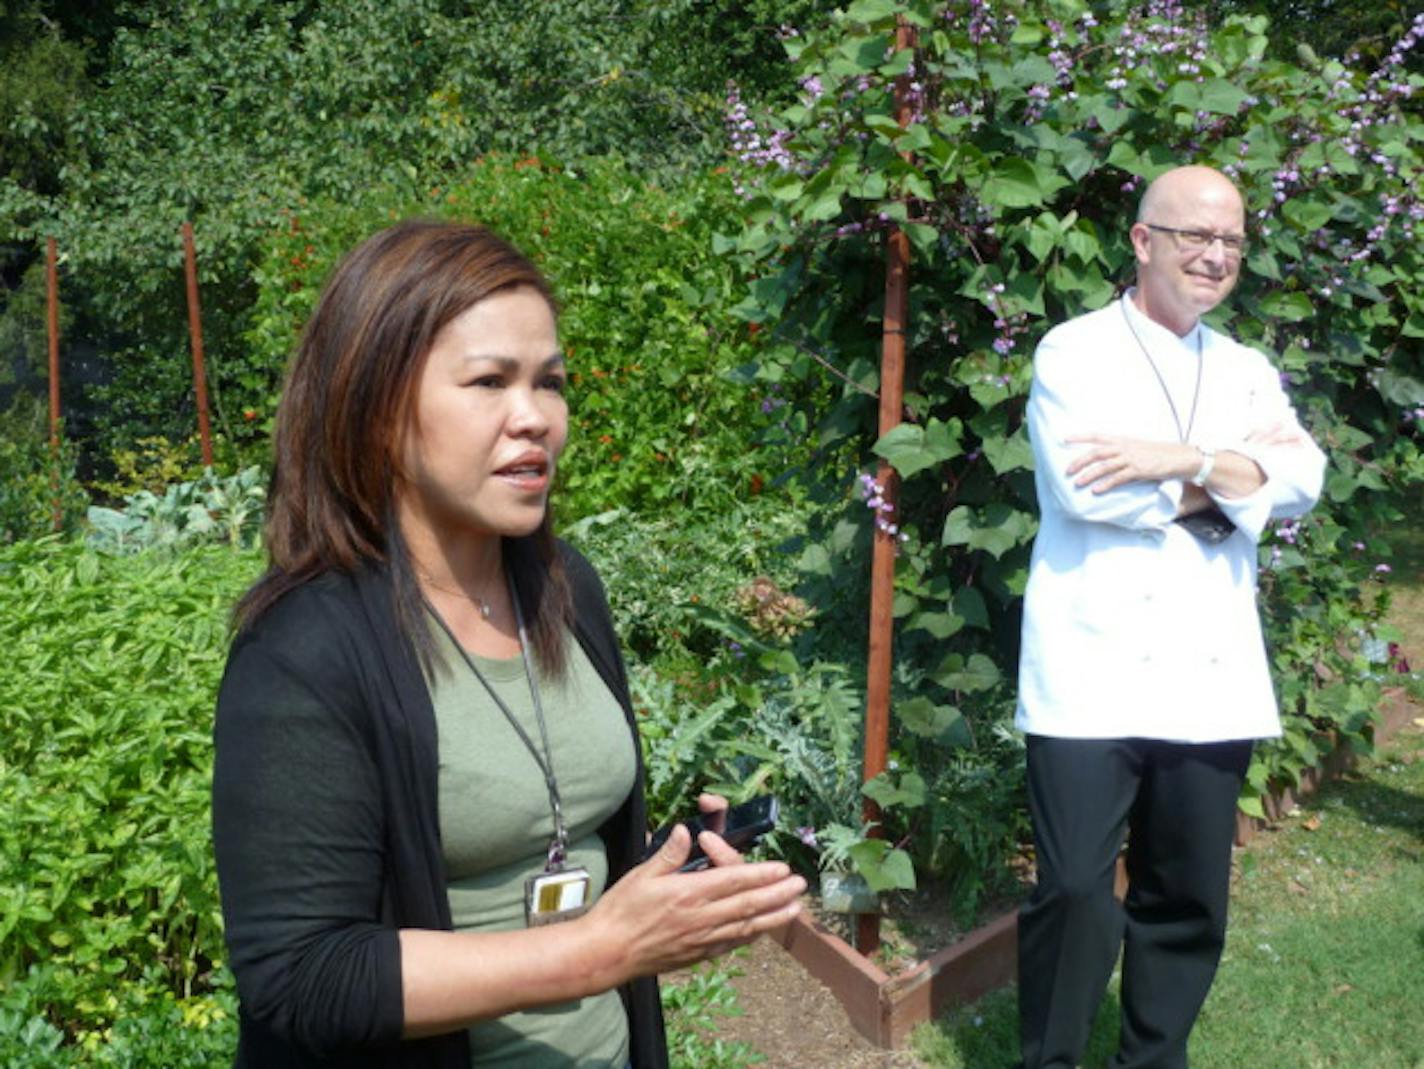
(882, 565)
(195, 336)
(52, 325)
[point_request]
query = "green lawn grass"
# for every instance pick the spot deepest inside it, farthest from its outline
(1406, 582)
(1324, 964)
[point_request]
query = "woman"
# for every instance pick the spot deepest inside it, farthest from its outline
(427, 768)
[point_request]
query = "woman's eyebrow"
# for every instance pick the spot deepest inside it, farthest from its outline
(510, 364)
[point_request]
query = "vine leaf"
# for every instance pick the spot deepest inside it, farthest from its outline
(996, 529)
(911, 448)
(943, 723)
(909, 792)
(976, 674)
(884, 868)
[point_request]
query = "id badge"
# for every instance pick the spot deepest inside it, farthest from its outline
(554, 897)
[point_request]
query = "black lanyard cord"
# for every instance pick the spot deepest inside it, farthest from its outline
(1182, 435)
(559, 848)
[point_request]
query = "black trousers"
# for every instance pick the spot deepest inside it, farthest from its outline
(1176, 803)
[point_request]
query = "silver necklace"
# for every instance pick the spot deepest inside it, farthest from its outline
(481, 604)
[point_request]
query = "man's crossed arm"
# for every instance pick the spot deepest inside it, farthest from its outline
(1110, 461)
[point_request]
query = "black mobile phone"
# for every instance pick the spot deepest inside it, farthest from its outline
(742, 826)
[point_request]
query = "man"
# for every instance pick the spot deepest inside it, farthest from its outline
(1162, 450)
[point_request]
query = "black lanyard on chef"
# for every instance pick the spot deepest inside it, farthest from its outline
(559, 848)
(1182, 434)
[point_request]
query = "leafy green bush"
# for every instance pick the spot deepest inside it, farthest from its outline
(212, 508)
(108, 900)
(691, 1006)
(645, 321)
(28, 489)
(235, 116)
(151, 1029)
(671, 598)
(1033, 127)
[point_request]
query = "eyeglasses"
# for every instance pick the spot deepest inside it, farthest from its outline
(1233, 244)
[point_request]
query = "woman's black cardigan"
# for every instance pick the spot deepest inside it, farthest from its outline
(326, 826)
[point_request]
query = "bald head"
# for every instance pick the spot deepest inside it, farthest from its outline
(1184, 267)
(1182, 189)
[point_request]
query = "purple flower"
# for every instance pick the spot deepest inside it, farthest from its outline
(807, 835)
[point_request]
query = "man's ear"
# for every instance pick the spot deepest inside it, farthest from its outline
(1141, 242)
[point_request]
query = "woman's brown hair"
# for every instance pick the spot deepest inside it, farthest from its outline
(347, 401)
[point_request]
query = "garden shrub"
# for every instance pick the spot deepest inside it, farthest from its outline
(108, 900)
(235, 115)
(29, 487)
(154, 463)
(1033, 128)
(210, 508)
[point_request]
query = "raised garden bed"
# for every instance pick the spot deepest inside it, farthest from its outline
(885, 1007)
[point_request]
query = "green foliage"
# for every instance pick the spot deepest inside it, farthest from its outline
(151, 1030)
(108, 900)
(42, 85)
(235, 116)
(973, 820)
(674, 606)
(29, 489)
(673, 602)
(644, 320)
(150, 463)
(691, 1006)
(726, 706)
(24, 340)
(1032, 128)
(211, 508)
(1334, 28)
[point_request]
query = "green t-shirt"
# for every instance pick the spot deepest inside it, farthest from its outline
(496, 825)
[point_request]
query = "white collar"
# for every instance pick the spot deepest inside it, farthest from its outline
(1193, 341)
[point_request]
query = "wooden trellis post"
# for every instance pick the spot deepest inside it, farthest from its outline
(52, 328)
(195, 337)
(882, 566)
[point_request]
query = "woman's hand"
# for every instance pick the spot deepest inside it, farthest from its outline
(656, 919)
(713, 808)
(653, 920)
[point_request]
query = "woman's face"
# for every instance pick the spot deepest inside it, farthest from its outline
(489, 422)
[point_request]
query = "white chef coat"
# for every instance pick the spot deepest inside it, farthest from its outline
(1133, 627)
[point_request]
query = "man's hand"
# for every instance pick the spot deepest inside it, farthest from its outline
(1194, 499)
(1111, 462)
